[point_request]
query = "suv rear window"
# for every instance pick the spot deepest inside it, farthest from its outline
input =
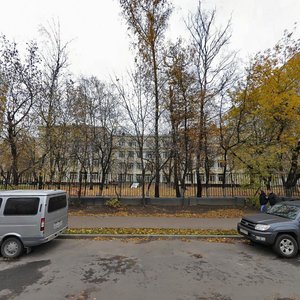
(21, 206)
(56, 203)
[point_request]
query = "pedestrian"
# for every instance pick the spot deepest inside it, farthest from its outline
(263, 201)
(271, 197)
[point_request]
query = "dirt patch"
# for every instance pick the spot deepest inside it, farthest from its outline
(163, 211)
(151, 231)
(144, 240)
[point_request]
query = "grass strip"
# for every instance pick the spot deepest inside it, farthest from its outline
(150, 231)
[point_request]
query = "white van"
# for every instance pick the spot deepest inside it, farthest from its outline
(29, 218)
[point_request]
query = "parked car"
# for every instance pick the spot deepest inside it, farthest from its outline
(29, 218)
(278, 227)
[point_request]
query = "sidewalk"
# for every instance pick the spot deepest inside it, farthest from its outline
(152, 222)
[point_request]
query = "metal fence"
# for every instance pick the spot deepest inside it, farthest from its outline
(241, 186)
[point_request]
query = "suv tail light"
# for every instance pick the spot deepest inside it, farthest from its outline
(42, 226)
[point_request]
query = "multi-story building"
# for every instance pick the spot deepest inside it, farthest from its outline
(128, 161)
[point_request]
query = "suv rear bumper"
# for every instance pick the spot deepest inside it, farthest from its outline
(263, 237)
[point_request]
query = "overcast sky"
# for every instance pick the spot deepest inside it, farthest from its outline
(100, 43)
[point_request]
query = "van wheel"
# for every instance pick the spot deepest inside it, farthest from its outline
(286, 246)
(11, 247)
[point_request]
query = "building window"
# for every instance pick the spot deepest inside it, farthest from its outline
(221, 164)
(131, 154)
(130, 166)
(121, 177)
(95, 162)
(130, 178)
(83, 175)
(73, 176)
(166, 155)
(131, 144)
(94, 176)
(121, 154)
(220, 177)
(188, 177)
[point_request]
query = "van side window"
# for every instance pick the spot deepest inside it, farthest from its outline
(21, 206)
(56, 203)
(0, 202)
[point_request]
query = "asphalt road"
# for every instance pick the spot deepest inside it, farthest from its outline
(147, 270)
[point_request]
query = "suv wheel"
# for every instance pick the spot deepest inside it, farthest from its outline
(11, 247)
(286, 246)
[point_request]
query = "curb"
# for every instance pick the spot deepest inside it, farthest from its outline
(126, 236)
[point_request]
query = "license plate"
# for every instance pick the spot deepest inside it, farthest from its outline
(243, 231)
(57, 225)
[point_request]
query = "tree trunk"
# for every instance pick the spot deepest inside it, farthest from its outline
(224, 176)
(176, 181)
(40, 182)
(294, 173)
(143, 186)
(199, 183)
(157, 157)
(102, 182)
(80, 186)
(14, 155)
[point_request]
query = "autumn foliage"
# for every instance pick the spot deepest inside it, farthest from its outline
(266, 105)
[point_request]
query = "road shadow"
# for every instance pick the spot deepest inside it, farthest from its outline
(253, 249)
(47, 247)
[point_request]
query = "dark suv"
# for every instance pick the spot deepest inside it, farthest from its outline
(279, 227)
